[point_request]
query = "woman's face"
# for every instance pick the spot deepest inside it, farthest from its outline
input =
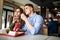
(16, 16)
(17, 11)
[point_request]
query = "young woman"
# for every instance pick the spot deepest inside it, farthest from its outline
(15, 21)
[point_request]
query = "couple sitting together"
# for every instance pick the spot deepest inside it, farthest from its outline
(31, 25)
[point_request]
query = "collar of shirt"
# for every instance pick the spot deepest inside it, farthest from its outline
(32, 16)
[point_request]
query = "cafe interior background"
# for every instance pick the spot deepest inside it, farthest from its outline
(45, 8)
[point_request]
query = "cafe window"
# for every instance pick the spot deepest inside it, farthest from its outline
(3, 19)
(7, 13)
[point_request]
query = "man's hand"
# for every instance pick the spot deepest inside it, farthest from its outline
(23, 17)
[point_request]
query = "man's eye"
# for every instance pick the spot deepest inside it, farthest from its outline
(26, 8)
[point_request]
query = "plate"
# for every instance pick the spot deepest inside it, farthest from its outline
(16, 35)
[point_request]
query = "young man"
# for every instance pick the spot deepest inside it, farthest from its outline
(33, 24)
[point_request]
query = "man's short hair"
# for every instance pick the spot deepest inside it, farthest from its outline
(29, 5)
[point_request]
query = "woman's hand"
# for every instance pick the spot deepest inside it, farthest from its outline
(14, 20)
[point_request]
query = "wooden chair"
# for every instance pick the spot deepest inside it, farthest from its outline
(45, 30)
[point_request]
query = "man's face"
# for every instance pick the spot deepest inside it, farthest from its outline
(27, 10)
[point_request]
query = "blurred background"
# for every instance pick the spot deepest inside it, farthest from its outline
(46, 8)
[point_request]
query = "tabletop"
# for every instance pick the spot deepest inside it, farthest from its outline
(29, 37)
